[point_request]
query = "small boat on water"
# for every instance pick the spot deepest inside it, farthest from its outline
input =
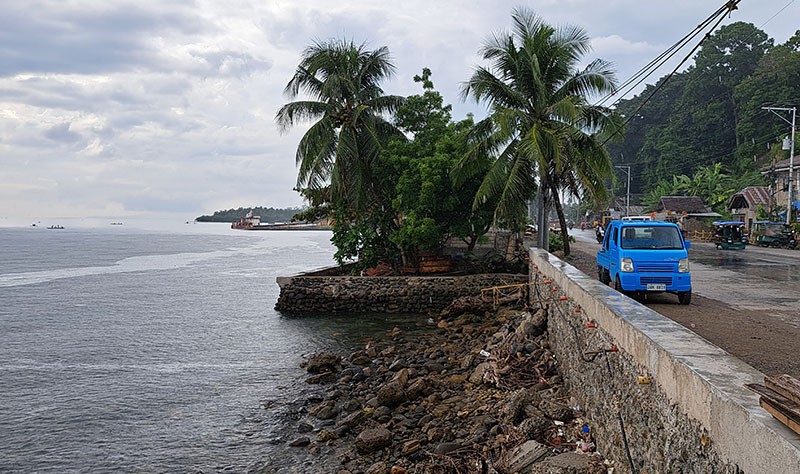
(55, 227)
(116, 223)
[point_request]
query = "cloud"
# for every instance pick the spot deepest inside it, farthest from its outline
(168, 105)
(62, 133)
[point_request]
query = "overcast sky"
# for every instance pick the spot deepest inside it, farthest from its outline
(126, 108)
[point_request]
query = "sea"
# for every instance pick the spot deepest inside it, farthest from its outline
(153, 346)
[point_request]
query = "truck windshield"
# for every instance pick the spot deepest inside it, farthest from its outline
(651, 237)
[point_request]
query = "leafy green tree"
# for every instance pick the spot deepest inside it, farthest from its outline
(775, 82)
(348, 106)
(541, 129)
(433, 209)
(712, 183)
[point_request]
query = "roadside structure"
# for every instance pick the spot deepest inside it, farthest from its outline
(778, 175)
(744, 204)
(687, 211)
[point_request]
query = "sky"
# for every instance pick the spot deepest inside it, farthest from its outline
(117, 108)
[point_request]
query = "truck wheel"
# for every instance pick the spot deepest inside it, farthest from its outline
(685, 297)
(618, 286)
(602, 275)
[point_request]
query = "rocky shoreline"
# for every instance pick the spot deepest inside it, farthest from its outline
(478, 392)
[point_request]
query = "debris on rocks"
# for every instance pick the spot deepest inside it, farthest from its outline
(480, 392)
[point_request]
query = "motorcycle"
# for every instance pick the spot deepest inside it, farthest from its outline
(600, 233)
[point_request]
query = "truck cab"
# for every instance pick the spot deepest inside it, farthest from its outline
(641, 257)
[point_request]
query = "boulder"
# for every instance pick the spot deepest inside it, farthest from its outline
(373, 439)
(391, 394)
(323, 362)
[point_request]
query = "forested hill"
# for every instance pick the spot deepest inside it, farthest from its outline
(713, 112)
(268, 214)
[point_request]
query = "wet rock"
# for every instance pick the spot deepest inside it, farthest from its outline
(535, 426)
(322, 378)
(300, 442)
(556, 411)
(466, 304)
(445, 448)
(323, 362)
(378, 468)
(323, 411)
(417, 389)
(352, 420)
(533, 325)
(373, 439)
(410, 447)
(476, 377)
(391, 394)
(305, 427)
(324, 436)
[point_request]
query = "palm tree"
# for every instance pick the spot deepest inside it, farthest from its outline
(347, 104)
(541, 128)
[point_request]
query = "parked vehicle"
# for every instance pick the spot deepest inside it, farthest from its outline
(729, 235)
(773, 234)
(641, 257)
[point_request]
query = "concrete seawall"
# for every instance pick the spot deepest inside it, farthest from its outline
(681, 399)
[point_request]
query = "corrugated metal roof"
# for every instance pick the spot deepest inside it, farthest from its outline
(688, 204)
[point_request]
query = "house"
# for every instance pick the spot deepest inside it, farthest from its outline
(744, 204)
(778, 174)
(681, 205)
(687, 211)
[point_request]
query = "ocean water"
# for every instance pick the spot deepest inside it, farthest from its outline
(155, 348)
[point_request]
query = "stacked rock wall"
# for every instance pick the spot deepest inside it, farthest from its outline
(391, 294)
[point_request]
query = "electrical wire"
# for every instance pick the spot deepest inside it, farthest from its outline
(719, 17)
(701, 74)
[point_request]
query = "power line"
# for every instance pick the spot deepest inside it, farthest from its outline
(718, 15)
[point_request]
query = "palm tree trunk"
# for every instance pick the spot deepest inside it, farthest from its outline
(561, 219)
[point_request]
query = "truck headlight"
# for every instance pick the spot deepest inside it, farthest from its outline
(626, 265)
(683, 265)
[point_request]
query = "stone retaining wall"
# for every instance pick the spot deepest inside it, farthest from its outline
(682, 400)
(391, 294)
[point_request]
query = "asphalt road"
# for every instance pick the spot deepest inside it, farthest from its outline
(745, 301)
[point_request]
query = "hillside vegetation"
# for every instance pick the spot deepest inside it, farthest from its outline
(268, 214)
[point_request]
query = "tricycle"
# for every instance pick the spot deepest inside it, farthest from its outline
(773, 234)
(729, 235)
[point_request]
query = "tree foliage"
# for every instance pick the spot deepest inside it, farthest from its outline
(542, 131)
(712, 113)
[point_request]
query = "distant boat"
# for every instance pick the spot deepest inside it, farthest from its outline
(55, 227)
(116, 223)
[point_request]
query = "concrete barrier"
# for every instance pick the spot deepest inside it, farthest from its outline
(681, 400)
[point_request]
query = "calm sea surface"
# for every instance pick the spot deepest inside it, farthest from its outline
(155, 348)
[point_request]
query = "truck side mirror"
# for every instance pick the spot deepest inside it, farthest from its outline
(687, 244)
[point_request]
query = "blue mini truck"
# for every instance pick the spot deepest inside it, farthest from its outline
(641, 257)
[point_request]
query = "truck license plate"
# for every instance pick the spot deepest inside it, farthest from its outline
(656, 287)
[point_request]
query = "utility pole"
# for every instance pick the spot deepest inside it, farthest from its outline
(627, 169)
(793, 110)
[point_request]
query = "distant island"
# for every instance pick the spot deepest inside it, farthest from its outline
(268, 214)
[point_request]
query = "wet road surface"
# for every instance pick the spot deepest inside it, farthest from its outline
(755, 278)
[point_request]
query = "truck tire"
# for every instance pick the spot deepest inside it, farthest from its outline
(602, 275)
(618, 286)
(685, 297)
